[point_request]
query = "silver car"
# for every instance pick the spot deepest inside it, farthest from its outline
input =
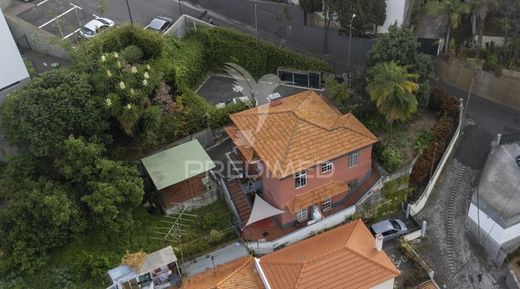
(390, 229)
(160, 24)
(94, 27)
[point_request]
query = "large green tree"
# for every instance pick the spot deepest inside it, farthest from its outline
(369, 13)
(38, 117)
(400, 45)
(309, 7)
(391, 87)
(453, 9)
(481, 9)
(111, 190)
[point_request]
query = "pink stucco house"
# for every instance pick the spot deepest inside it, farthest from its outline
(309, 157)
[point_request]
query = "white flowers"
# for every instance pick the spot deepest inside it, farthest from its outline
(122, 85)
(103, 58)
(109, 74)
(116, 55)
(108, 102)
(237, 88)
(129, 106)
(131, 91)
(145, 82)
(133, 70)
(148, 67)
(118, 64)
(146, 76)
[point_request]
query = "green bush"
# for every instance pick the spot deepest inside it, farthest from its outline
(219, 117)
(259, 58)
(132, 54)
(391, 158)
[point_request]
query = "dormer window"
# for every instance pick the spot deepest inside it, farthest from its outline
(326, 167)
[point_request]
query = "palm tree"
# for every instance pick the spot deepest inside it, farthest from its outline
(391, 88)
(454, 9)
(481, 9)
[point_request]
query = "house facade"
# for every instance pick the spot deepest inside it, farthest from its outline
(494, 211)
(307, 156)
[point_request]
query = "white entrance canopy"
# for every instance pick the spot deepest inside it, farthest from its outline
(262, 210)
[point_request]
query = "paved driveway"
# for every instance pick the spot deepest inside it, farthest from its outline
(218, 257)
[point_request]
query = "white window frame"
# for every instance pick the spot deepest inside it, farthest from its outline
(353, 159)
(302, 214)
(302, 176)
(356, 180)
(326, 205)
(326, 167)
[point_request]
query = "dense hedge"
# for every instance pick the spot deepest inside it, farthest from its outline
(448, 107)
(224, 45)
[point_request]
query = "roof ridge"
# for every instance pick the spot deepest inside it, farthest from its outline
(288, 147)
(350, 115)
(393, 270)
(299, 275)
(234, 272)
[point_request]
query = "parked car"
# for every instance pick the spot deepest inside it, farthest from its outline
(160, 24)
(238, 99)
(390, 229)
(94, 27)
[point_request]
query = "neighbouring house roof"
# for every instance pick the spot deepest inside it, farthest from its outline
(318, 195)
(236, 274)
(297, 132)
(151, 262)
(13, 68)
(428, 285)
(499, 187)
(344, 257)
(177, 164)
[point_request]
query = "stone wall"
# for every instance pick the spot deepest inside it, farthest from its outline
(39, 39)
(503, 89)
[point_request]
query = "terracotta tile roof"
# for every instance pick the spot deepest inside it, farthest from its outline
(428, 285)
(240, 141)
(344, 257)
(317, 195)
(300, 131)
(237, 274)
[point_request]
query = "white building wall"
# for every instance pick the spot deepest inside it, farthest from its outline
(487, 224)
(395, 12)
(389, 284)
(12, 67)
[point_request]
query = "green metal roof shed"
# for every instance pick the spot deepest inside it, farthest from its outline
(177, 164)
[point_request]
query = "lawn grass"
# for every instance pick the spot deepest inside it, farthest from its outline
(83, 262)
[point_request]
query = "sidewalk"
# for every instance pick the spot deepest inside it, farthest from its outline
(228, 253)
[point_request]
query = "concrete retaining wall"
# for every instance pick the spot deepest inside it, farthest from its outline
(512, 281)
(39, 40)
(504, 89)
(421, 202)
(5, 3)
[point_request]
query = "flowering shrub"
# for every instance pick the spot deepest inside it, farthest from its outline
(128, 90)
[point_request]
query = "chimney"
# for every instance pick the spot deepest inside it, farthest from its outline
(379, 242)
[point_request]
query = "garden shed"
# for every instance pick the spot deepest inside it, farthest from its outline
(180, 177)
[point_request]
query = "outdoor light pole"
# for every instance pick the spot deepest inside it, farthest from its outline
(180, 8)
(129, 12)
(350, 44)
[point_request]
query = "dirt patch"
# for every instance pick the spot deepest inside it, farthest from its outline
(404, 136)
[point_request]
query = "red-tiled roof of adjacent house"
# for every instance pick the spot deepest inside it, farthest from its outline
(344, 257)
(318, 195)
(428, 285)
(297, 132)
(237, 274)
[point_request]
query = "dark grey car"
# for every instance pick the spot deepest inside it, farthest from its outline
(390, 229)
(160, 24)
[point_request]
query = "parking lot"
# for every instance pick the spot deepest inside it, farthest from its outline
(61, 18)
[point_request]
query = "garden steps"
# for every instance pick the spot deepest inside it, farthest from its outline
(353, 198)
(240, 201)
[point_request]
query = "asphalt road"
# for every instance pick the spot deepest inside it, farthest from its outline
(279, 23)
(485, 119)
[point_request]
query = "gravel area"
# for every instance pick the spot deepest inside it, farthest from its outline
(447, 246)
